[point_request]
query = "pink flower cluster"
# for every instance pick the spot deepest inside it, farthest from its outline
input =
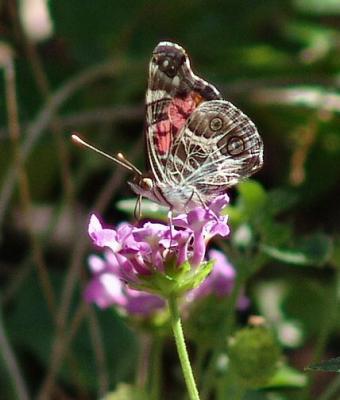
(134, 254)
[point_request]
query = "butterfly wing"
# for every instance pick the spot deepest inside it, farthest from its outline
(173, 93)
(218, 146)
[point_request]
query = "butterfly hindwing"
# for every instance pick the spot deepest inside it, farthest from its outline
(217, 146)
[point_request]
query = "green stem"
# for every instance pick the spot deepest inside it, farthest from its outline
(181, 349)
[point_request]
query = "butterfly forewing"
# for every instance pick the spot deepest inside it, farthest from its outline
(173, 93)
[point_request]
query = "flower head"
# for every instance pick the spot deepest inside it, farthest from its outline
(160, 258)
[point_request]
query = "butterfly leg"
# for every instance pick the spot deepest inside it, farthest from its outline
(170, 215)
(204, 204)
(138, 208)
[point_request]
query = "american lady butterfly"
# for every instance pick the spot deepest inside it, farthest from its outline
(198, 144)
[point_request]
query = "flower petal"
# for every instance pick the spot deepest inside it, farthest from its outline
(103, 237)
(105, 290)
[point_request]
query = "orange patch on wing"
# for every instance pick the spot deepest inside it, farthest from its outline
(197, 98)
(180, 109)
(163, 136)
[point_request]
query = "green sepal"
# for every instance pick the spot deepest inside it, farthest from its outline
(176, 280)
(173, 270)
(194, 280)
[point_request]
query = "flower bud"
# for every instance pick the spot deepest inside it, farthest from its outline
(254, 355)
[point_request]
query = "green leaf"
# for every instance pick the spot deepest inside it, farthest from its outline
(330, 7)
(275, 234)
(235, 215)
(336, 252)
(315, 250)
(292, 304)
(332, 365)
(288, 377)
(280, 200)
(126, 392)
(312, 35)
(149, 209)
(253, 195)
(264, 56)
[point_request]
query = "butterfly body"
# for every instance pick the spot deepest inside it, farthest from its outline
(198, 144)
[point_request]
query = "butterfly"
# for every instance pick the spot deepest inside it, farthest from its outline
(198, 145)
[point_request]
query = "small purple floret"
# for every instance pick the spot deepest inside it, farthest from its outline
(106, 289)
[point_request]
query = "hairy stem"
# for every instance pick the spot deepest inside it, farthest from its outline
(181, 349)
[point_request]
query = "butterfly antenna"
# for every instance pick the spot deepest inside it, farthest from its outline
(120, 159)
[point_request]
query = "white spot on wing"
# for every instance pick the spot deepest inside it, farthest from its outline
(155, 95)
(176, 81)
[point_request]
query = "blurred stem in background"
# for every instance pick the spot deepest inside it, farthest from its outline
(43, 86)
(8, 356)
(59, 345)
(326, 327)
(25, 196)
(332, 389)
(226, 328)
(156, 371)
(144, 356)
(44, 118)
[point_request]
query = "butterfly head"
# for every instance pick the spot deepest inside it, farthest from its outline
(169, 58)
(144, 185)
